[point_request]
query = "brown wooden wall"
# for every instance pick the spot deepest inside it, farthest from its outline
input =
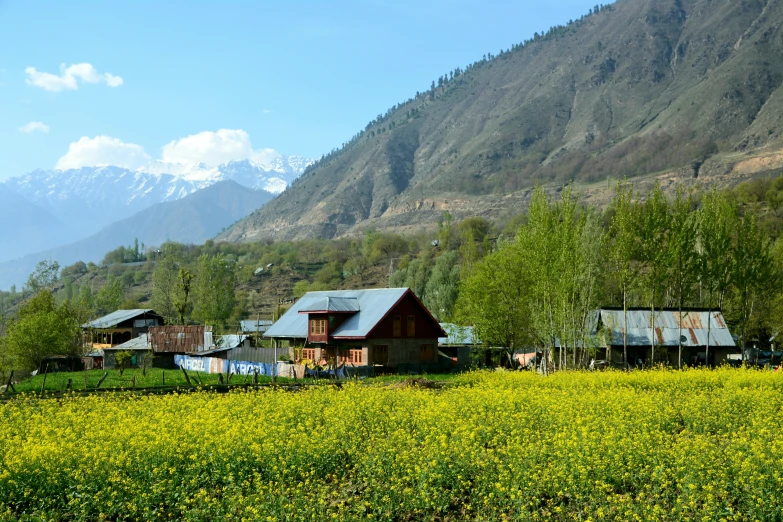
(425, 326)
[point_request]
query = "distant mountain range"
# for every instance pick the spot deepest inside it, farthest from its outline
(682, 90)
(192, 219)
(51, 208)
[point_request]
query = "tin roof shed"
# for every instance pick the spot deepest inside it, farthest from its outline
(691, 327)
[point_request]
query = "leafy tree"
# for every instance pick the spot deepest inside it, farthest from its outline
(753, 271)
(444, 231)
(716, 221)
(492, 299)
(654, 229)
(42, 328)
(213, 292)
(84, 300)
(45, 276)
(442, 289)
(122, 359)
(683, 259)
(110, 296)
(181, 294)
(623, 249)
(164, 286)
(415, 275)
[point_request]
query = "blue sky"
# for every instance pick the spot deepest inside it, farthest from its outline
(299, 77)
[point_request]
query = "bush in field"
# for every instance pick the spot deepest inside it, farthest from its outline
(40, 329)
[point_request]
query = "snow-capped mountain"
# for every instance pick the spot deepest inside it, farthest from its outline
(90, 198)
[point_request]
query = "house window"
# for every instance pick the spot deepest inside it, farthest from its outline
(427, 353)
(331, 322)
(380, 354)
(411, 326)
(317, 326)
(355, 356)
(397, 326)
(308, 353)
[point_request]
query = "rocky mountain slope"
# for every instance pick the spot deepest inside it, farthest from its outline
(191, 219)
(683, 88)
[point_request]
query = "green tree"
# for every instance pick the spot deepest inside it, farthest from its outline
(492, 299)
(44, 276)
(654, 229)
(42, 328)
(181, 294)
(753, 271)
(683, 259)
(122, 360)
(213, 292)
(164, 286)
(110, 296)
(442, 289)
(623, 249)
(716, 221)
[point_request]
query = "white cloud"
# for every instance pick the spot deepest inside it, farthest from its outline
(209, 148)
(215, 148)
(101, 151)
(69, 76)
(34, 126)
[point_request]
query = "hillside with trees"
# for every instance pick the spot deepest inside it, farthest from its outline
(522, 282)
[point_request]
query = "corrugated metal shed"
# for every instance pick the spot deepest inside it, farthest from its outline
(330, 304)
(669, 326)
(255, 325)
(458, 335)
(139, 343)
(373, 306)
(115, 318)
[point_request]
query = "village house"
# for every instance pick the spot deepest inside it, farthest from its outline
(119, 327)
(693, 329)
(384, 328)
(459, 343)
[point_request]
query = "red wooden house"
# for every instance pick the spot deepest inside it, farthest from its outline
(387, 327)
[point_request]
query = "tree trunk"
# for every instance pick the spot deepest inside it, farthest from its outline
(625, 331)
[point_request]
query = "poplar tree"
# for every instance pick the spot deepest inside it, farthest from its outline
(215, 280)
(752, 272)
(623, 234)
(654, 228)
(716, 220)
(683, 258)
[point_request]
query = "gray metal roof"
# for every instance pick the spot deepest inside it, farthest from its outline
(139, 343)
(458, 335)
(693, 326)
(115, 318)
(373, 306)
(253, 325)
(330, 304)
(224, 342)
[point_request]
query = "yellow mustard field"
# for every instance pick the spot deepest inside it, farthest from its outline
(691, 445)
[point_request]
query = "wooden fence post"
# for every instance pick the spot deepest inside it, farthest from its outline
(43, 384)
(105, 374)
(187, 377)
(10, 385)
